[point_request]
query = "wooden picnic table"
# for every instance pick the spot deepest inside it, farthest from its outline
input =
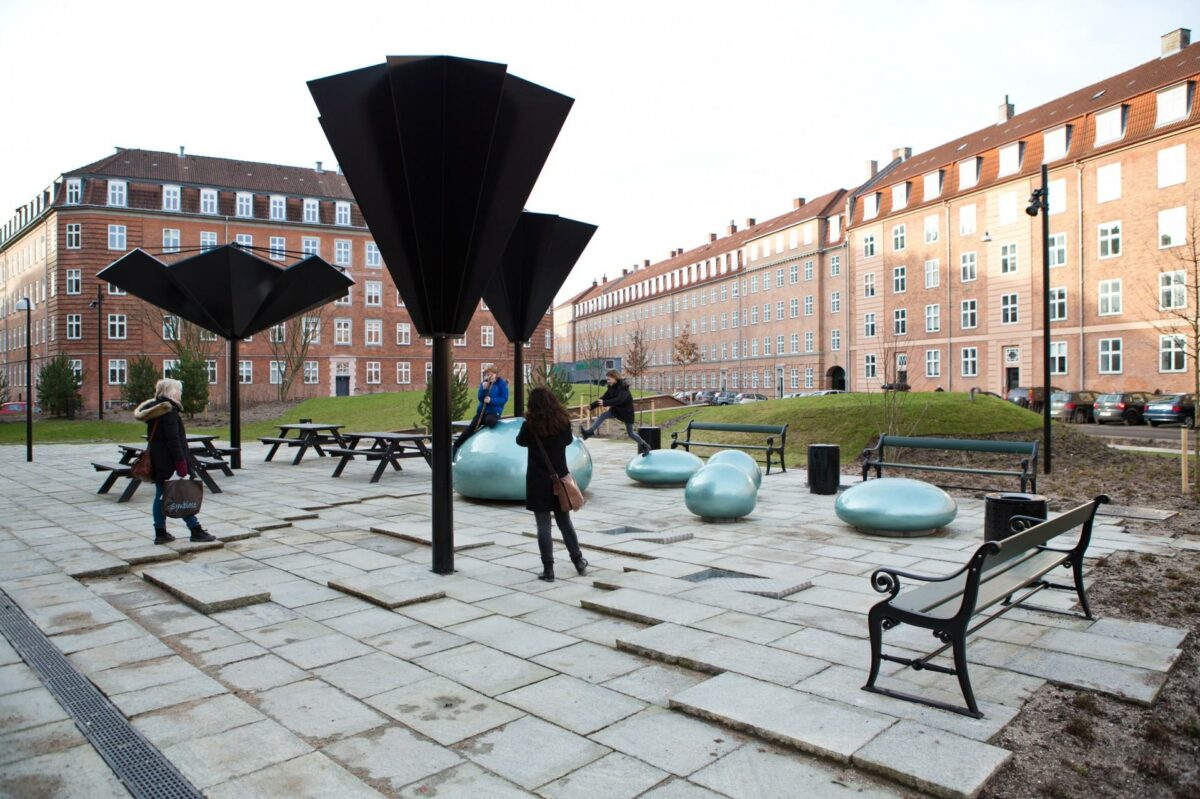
(387, 448)
(308, 435)
(124, 466)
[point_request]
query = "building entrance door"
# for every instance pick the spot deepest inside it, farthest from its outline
(342, 386)
(835, 378)
(1012, 378)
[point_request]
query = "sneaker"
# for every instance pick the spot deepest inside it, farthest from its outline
(199, 534)
(581, 564)
(161, 536)
(585, 434)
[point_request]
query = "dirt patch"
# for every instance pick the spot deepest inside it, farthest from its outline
(1069, 743)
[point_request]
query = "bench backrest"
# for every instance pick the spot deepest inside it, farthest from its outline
(738, 428)
(1077, 518)
(969, 445)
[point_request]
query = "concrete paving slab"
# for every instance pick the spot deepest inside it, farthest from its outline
(217, 592)
(445, 612)
(145, 700)
(371, 674)
(669, 741)
(387, 591)
(213, 759)
(391, 755)
(41, 740)
(313, 776)
(590, 662)
(76, 773)
(656, 683)
(680, 789)
(484, 669)
(572, 703)
(26, 709)
(178, 723)
(260, 673)
(467, 781)
(412, 642)
(318, 711)
(713, 653)
(322, 651)
(531, 752)
(512, 636)
(614, 776)
(755, 771)
(932, 760)
(628, 603)
(443, 710)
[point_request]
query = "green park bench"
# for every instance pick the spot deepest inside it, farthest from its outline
(873, 457)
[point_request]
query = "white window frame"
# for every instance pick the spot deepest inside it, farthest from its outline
(1172, 227)
(277, 208)
(1172, 166)
(968, 173)
(118, 193)
(119, 367)
(341, 213)
(1010, 309)
(74, 281)
(403, 373)
(933, 363)
(117, 237)
(1058, 304)
(1109, 238)
(209, 202)
(1110, 125)
(74, 236)
(1009, 260)
(373, 332)
(1056, 143)
(373, 294)
(74, 195)
(967, 221)
(1171, 105)
(343, 332)
(1010, 158)
(933, 273)
(1108, 182)
(968, 267)
(1110, 299)
(1172, 290)
(968, 310)
(931, 185)
(172, 198)
(932, 228)
(244, 205)
(1058, 250)
(1058, 358)
(899, 237)
(1172, 346)
(969, 361)
(403, 334)
(1111, 358)
(74, 326)
(933, 318)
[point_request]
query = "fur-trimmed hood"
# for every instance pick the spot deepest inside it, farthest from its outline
(151, 409)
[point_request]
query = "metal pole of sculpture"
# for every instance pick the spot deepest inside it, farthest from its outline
(443, 484)
(518, 378)
(234, 375)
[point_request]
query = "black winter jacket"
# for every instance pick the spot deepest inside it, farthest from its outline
(167, 439)
(539, 487)
(619, 400)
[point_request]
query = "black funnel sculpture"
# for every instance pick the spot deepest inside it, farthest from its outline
(230, 292)
(441, 154)
(541, 253)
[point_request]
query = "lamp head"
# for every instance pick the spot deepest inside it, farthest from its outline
(24, 304)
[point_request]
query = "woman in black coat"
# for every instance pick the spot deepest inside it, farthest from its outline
(167, 442)
(617, 401)
(547, 423)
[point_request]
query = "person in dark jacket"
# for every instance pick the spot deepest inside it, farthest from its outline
(492, 396)
(547, 422)
(167, 442)
(617, 402)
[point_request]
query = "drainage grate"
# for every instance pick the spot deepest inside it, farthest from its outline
(135, 761)
(719, 574)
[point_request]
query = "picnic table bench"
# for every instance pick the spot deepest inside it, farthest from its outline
(124, 468)
(995, 573)
(308, 436)
(206, 445)
(770, 430)
(873, 457)
(387, 448)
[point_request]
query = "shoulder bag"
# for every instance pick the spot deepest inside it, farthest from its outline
(143, 467)
(566, 491)
(183, 497)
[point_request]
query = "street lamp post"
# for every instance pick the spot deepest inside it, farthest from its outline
(26, 304)
(98, 304)
(1039, 202)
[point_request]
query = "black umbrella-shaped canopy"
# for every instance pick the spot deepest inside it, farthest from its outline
(227, 290)
(539, 256)
(441, 154)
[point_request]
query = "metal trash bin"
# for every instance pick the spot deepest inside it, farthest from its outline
(824, 468)
(999, 508)
(651, 435)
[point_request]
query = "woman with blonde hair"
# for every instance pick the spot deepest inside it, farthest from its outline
(166, 440)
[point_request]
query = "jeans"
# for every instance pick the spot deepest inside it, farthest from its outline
(546, 543)
(629, 429)
(160, 517)
(486, 419)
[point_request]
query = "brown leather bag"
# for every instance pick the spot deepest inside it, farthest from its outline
(143, 467)
(566, 490)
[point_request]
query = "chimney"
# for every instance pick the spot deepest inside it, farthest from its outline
(624, 272)
(594, 283)
(872, 169)
(729, 231)
(181, 151)
(1005, 110)
(750, 221)
(1175, 41)
(319, 169)
(646, 264)
(798, 202)
(712, 237)
(902, 154)
(604, 278)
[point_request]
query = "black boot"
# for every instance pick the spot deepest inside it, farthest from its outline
(581, 564)
(547, 574)
(199, 534)
(161, 536)
(585, 433)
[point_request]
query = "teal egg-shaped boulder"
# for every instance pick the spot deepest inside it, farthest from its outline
(735, 457)
(490, 465)
(895, 506)
(662, 467)
(720, 491)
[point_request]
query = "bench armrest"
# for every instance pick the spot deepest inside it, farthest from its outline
(675, 436)
(887, 581)
(1018, 523)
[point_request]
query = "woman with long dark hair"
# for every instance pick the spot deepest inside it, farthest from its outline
(547, 423)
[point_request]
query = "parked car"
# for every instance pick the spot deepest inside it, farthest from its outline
(1124, 408)
(896, 387)
(800, 394)
(1028, 397)
(724, 398)
(829, 391)
(16, 409)
(1072, 406)
(743, 399)
(1172, 409)
(704, 397)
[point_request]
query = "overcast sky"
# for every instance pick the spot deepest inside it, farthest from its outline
(688, 113)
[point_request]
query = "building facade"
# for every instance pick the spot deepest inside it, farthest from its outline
(172, 205)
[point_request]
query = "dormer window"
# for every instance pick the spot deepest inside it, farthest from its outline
(341, 213)
(170, 200)
(74, 191)
(899, 196)
(245, 205)
(1056, 142)
(1010, 159)
(968, 173)
(1110, 125)
(835, 228)
(278, 207)
(933, 185)
(312, 211)
(1172, 105)
(117, 193)
(871, 205)
(208, 201)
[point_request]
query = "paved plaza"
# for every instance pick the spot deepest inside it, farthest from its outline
(312, 653)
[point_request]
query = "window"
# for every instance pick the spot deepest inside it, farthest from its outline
(208, 240)
(312, 211)
(1172, 105)
(899, 196)
(245, 205)
(116, 196)
(970, 314)
(968, 173)
(403, 373)
(779, 309)
(808, 377)
(794, 377)
(372, 257)
(341, 213)
(1058, 305)
(170, 198)
(487, 336)
(1058, 249)
(74, 236)
(341, 252)
(933, 274)
(373, 332)
(966, 219)
(278, 248)
(373, 294)
(312, 373)
(1010, 158)
(933, 318)
(766, 345)
(116, 237)
(754, 315)
(170, 328)
(1110, 239)
(245, 372)
(310, 329)
(244, 240)
(900, 322)
(835, 302)
(1006, 208)
(835, 265)
(278, 207)
(809, 341)
(869, 284)
(1055, 143)
(835, 339)
(1108, 182)
(461, 341)
(1172, 355)
(403, 333)
(967, 267)
(933, 363)
(74, 191)
(766, 312)
(754, 285)
(170, 240)
(1172, 225)
(277, 371)
(208, 335)
(341, 332)
(793, 274)
(74, 326)
(1110, 125)
(871, 205)
(1058, 196)
(898, 237)
(1058, 357)
(116, 325)
(869, 367)
(931, 229)
(899, 279)
(277, 333)
(808, 270)
(869, 325)
(1172, 290)
(778, 282)
(310, 245)
(1172, 165)
(169, 366)
(835, 228)
(1008, 259)
(1110, 297)
(1009, 309)
(868, 243)
(1110, 356)
(372, 373)
(116, 371)
(208, 201)
(211, 365)
(808, 305)
(932, 184)
(970, 361)
(74, 281)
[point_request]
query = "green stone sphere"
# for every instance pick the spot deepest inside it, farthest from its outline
(720, 491)
(735, 457)
(663, 467)
(895, 506)
(490, 464)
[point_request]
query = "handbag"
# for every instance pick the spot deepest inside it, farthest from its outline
(182, 497)
(566, 490)
(143, 467)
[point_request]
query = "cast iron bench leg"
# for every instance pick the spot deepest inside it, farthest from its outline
(875, 628)
(960, 669)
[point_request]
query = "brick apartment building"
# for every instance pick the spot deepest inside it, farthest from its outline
(930, 272)
(164, 202)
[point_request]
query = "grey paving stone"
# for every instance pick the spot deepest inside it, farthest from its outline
(605, 632)
(67, 616)
(421, 533)
(297, 593)
(1146, 633)
(217, 592)
(656, 683)
(313, 776)
(467, 781)
(590, 662)
(143, 675)
(316, 710)
(572, 703)
(512, 636)
(560, 617)
(145, 700)
(322, 651)
(614, 776)
(627, 603)
(392, 755)
(765, 710)
(715, 654)
(371, 674)
(443, 710)
(388, 591)
(255, 616)
(680, 789)
(260, 673)
(669, 741)
(642, 581)
(286, 632)
(76, 773)
(747, 627)
(368, 622)
(213, 759)
(207, 639)
(230, 654)
(17, 677)
(531, 752)
(184, 722)
(933, 760)
(445, 612)
(484, 669)
(516, 603)
(26, 709)
(108, 656)
(1115, 650)
(41, 740)
(755, 771)
(412, 642)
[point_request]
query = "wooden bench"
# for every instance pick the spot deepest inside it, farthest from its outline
(995, 573)
(212, 463)
(346, 454)
(770, 430)
(116, 471)
(276, 443)
(873, 457)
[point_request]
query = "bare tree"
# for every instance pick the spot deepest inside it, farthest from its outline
(888, 407)
(290, 343)
(684, 353)
(590, 350)
(637, 357)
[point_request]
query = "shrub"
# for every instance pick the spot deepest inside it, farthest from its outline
(58, 387)
(139, 383)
